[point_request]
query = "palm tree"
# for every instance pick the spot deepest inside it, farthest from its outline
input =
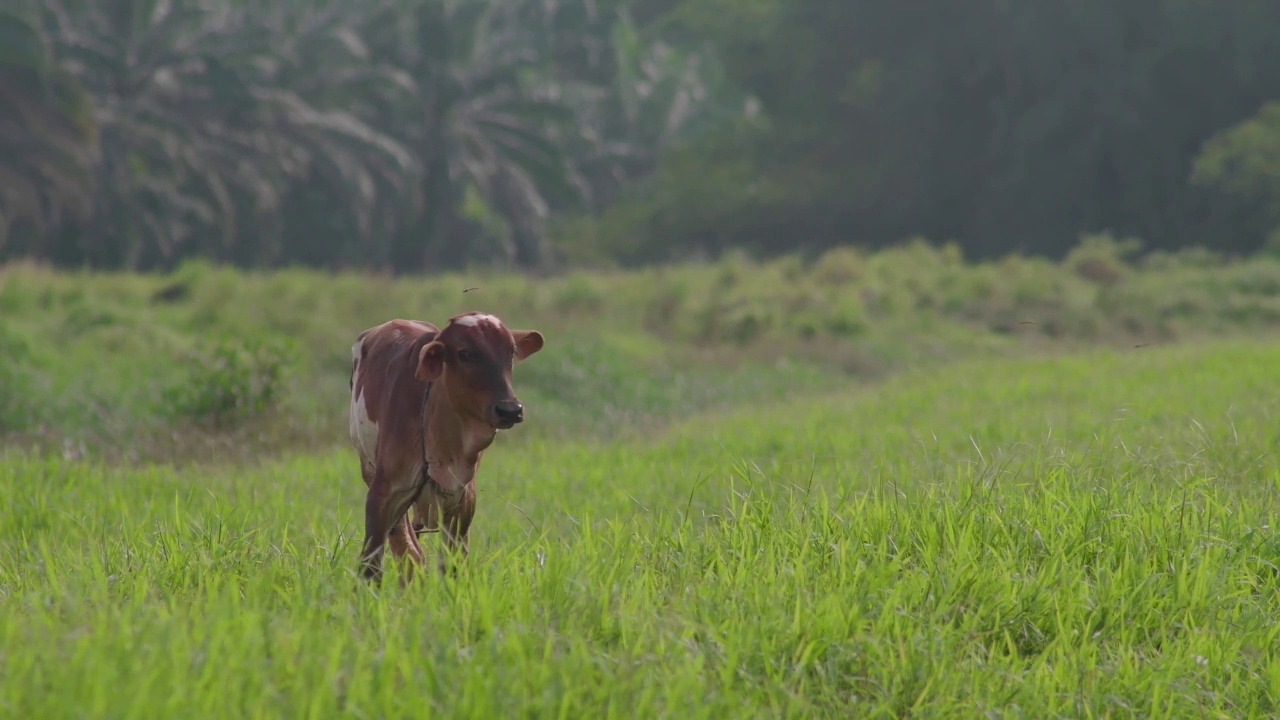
(654, 95)
(48, 139)
(484, 134)
(203, 127)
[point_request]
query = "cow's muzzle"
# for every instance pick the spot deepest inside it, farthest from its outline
(508, 413)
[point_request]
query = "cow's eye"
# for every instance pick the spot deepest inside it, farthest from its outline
(464, 355)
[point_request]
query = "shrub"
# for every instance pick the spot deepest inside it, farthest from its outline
(14, 378)
(231, 381)
(661, 313)
(579, 293)
(1102, 259)
(846, 316)
(839, 267)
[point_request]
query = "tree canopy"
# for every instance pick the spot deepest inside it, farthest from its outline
(426, 134)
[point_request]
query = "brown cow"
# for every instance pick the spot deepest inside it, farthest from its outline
(425, 404)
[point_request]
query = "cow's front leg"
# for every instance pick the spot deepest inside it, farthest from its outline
(385, 508)
(456, 528)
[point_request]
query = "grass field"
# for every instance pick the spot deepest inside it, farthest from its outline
(1013, 528)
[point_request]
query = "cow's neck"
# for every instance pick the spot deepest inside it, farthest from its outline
(454, 441)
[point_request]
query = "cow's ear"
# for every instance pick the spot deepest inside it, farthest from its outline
(430, 362)
(528, 342)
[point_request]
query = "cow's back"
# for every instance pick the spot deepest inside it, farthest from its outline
(383, 361)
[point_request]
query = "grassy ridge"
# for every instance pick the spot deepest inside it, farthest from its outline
(1082, 536)
(209, 363)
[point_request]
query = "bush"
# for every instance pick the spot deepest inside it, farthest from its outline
(1102, 259)
(231, 381)
(579, 293)
(14, 379)
(839, 267)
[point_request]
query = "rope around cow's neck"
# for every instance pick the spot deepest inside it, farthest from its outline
(426, 478)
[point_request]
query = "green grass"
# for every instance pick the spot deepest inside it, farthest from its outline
(1085, 536)
(863, 485)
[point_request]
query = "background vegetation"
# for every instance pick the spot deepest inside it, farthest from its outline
(904, 359)
(206, 362)
(432, 134)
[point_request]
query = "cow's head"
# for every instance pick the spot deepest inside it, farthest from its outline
(474, 355)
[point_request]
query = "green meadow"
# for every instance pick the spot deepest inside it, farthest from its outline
(862, 485)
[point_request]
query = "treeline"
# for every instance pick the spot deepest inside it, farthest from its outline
(423, 134)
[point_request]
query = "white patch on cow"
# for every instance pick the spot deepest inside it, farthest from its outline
(364, 432)
(476, 319)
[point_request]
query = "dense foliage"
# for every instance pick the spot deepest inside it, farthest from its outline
(1001, 125)
(213, 362)
(420, 134)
